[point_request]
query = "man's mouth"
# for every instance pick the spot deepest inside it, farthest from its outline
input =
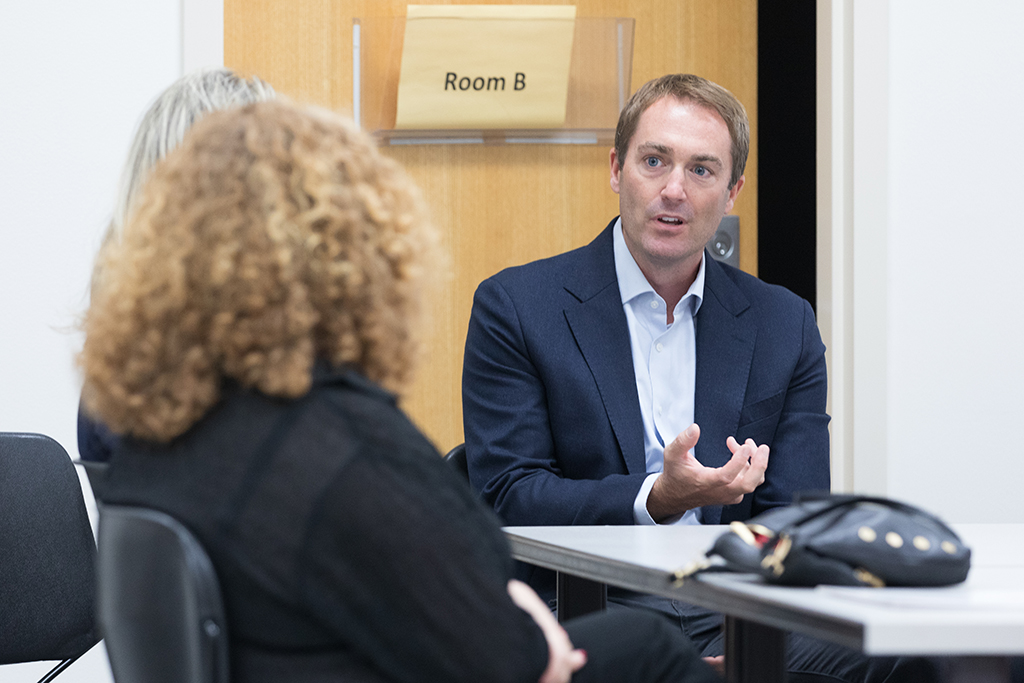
(670, 220)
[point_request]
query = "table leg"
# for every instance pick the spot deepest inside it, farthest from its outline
(577, 596)
(754, 653)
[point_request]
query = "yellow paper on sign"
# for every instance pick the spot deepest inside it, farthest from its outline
(485, 66)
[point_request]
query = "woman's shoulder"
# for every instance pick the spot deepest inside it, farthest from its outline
(369, 413)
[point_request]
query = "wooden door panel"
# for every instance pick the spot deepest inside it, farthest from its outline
(498, 205)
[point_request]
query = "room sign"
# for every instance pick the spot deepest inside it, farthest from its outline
(485, 66)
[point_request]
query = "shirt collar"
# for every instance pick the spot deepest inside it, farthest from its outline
(633, 282)
(324, 374)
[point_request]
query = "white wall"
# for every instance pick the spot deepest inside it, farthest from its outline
(956, 257)
(76, 79)
(922, 248)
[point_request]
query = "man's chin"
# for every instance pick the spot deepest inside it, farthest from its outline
(671, 251)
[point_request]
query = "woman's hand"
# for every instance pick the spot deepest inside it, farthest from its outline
(563, 659)
(716, 663)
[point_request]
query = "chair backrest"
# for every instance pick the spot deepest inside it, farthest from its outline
(47, 554)
(456, 457)
(159, 603)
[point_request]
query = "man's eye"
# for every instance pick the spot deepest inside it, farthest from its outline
(652, 162)
(701, 171)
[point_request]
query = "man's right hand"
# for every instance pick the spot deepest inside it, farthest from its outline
(686, 484)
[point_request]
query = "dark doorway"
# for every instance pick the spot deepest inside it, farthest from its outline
(786, 172)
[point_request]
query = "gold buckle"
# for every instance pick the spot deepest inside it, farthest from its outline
(779, 553)
(680, 575)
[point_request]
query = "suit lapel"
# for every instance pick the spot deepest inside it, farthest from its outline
(725, 348)
(599, 327)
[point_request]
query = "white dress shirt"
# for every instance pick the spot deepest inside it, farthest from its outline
(664, 362)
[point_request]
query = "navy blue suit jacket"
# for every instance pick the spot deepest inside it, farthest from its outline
(553, 429)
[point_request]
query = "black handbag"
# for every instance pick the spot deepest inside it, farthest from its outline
(845, 541)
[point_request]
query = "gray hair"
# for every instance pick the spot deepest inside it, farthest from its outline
(168, 119)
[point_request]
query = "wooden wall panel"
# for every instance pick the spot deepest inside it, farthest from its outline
(499, 205)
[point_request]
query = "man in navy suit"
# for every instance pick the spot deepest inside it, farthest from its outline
(584, 372)
(638, 381)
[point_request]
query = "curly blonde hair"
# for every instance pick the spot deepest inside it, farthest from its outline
(276, 235)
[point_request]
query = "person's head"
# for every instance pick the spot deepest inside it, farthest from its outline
(677, 167)
(275, 237)
(168, 119)
(700, 91)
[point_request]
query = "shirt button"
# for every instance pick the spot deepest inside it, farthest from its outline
(654, 304)
(658, 346)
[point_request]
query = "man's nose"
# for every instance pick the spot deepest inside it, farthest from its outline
(675, 185)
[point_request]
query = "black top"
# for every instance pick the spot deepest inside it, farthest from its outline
(95, 441)
(345, 547)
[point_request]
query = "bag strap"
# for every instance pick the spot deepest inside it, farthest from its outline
(841, 501)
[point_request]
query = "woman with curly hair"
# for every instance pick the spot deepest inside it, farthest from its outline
(245, 337)
(162, 128)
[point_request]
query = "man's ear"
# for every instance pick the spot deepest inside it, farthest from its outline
(616, 169)
(733, 193)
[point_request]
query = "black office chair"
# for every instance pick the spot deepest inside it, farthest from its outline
(158, 598)
(47, 555)
(456, 457)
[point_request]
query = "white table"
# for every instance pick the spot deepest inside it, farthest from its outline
(979, 619)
